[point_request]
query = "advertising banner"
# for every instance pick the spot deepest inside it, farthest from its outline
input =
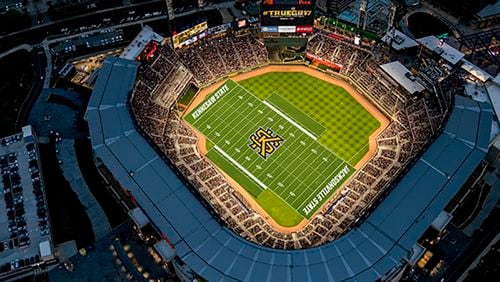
(186, 37)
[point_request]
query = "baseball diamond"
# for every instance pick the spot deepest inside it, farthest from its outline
(289, 153)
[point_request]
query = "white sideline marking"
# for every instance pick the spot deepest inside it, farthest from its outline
(290, 120)
(234, 162)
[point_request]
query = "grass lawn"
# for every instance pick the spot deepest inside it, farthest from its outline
(278, 210)
(188, 97)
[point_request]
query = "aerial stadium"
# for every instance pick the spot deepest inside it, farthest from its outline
(253, 167)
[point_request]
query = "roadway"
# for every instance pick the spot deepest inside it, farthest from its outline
(40, 37)
(479, 258)
(26, 47)
(78, 24)
(479, 243)
(42, 57)
(39, 66)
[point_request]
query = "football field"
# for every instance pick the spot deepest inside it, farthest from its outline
(348, 125)
(271, 149)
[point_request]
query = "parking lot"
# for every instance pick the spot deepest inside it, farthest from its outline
(6, 5)
(23, 210)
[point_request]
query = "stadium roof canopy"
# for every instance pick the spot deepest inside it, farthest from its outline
(444, 50)
(491, 10)
(494, 94)
(399, 73)
(400, 40)
(137, 45)
(476, 71)
(368, 252)
(139, 218)
(477, 91)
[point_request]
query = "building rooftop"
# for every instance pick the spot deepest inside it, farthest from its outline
(402, 76)
(88, 41)
(476, 71)
(494, 94)
(377, 13)
(490, 11)
(444, 50)
(23, 207)
(400, 40)
(137, 45)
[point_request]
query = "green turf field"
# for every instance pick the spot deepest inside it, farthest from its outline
(274, 146)
(348, 124)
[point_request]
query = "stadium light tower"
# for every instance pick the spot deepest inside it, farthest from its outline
(362, 14)
(170, 13)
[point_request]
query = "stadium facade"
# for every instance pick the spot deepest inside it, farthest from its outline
(378, 247)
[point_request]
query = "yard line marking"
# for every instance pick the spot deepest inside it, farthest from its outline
(233, 115)
(240, 167)
(195, 121)
(290, 120)
(227, 107)
(321, 175)
(215, 113)
(282, 114)
(273, 162)
(335, 172)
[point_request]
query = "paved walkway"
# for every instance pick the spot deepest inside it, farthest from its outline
(72, 173)
(48, 68)
(17, 48)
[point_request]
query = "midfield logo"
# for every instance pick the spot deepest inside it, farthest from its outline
(264, 142)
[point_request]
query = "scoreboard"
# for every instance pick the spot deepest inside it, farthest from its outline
(286, 19)
(286, 15)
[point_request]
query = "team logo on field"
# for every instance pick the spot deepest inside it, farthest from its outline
(264, 142)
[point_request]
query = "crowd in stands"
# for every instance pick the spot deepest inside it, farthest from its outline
(413, 123)
(218, 56)
(342, 53)
(159, 83)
